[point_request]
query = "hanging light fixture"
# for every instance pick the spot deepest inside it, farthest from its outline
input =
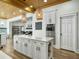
(39, 12)
(23, 18)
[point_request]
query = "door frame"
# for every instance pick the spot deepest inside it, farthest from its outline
(75, 14)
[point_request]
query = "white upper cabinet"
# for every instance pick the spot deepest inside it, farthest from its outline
(3, 24)
(50, 17)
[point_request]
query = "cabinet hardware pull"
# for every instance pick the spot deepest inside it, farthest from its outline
(16, 41)
(25, 44)
(38, 48)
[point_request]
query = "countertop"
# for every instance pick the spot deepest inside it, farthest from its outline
(45, 39)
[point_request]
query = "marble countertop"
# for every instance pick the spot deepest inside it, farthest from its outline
(46, 39)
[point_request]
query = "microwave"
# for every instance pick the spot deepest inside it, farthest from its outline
(50, 27)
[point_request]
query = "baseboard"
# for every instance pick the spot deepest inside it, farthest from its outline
(77, 51)
(56, 47)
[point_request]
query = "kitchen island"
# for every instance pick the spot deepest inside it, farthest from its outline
(34, 47)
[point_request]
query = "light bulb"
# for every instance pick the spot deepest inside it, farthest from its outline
(39, 14)
(45, 0)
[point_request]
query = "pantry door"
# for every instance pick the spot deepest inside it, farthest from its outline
(68, 32)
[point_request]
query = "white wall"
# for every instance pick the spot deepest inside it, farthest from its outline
(65, 8)
(37, 33)
(61, 9)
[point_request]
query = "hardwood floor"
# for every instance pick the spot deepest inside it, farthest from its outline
(64, 54)
(58, 54)
(8, 49)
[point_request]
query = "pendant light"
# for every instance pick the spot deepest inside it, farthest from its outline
(23, 18)
(39, 12)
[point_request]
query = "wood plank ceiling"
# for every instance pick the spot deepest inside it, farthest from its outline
(9, 11)
(14, 6)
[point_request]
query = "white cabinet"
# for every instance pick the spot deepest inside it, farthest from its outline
(3, 39)
(33, 48)
(50, 17)
(44, 50)
(20, 45)
(17, 44)
(36, 50)
(27, 47)
(40, 50)
(3, 23)
(23, 45)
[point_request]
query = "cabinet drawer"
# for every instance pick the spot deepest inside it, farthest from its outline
(39, 43)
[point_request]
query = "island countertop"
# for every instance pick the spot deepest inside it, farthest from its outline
(45, 39)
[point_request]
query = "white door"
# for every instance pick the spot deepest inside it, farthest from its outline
(68, 32)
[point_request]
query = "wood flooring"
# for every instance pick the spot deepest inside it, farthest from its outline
(64, 54)
(8, 49)
(58, 54)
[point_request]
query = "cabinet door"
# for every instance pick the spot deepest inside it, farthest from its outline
(36, 50)
(44, 50)
(3, 39)
(50, 17)
(25, 47)
(15, 43)
(18, 46)
(29, 48)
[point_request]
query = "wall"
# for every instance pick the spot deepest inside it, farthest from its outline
(65, 8)
(61, 9)
(37, 33)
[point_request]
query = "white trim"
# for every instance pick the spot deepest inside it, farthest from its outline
(73, 14)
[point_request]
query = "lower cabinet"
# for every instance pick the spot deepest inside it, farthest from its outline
(3, 39)
(15, 43)
(39, 50)
(33, 48)
(27, 47)
(23, 46)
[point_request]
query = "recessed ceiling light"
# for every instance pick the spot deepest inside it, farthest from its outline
(28, 9)
(31, 6)
(20, 10)
(45, 0)
(14, 13)
(2, 13)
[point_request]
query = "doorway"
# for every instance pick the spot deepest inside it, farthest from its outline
(68, 32)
